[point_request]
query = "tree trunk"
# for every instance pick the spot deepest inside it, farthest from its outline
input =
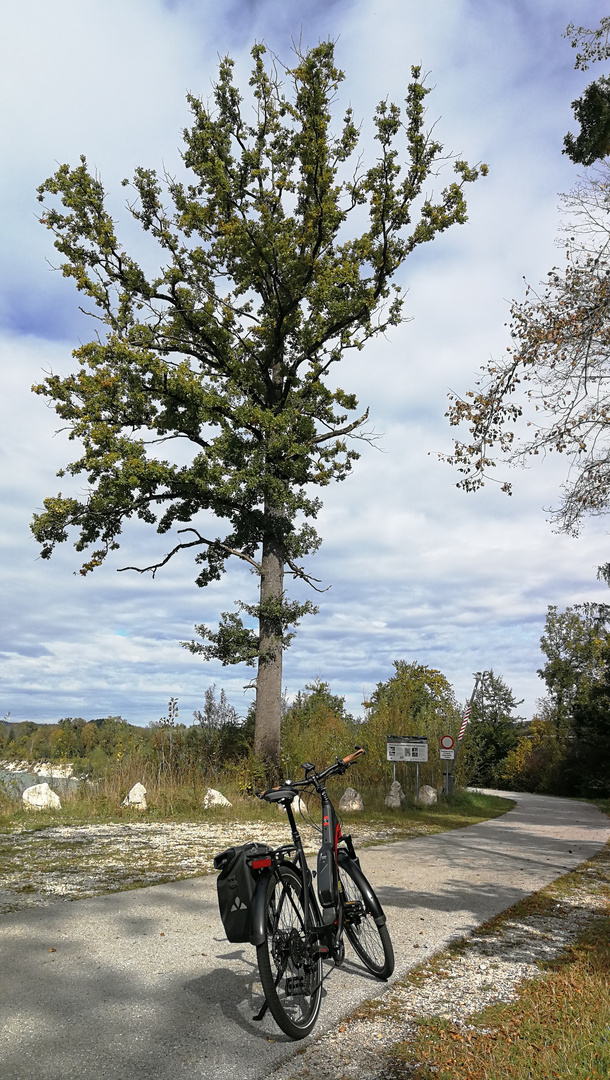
(269, 678)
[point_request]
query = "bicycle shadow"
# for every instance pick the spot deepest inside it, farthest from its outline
(239, 995)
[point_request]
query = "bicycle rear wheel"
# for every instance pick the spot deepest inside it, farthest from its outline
(370, 942)
(291, 977)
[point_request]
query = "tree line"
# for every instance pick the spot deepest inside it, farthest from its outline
(563, 750)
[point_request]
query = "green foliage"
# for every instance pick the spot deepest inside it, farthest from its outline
(592, 109)
(264, 284)
(416, 700)
(567, 749)
(493, 731)
(316, 728)
(575, 643)
(536, 763)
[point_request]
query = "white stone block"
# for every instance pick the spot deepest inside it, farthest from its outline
(428, 796)
(41, 797)
(298, 806)
(214, 798)
(136, 797)
(396, 796)
(351, 800)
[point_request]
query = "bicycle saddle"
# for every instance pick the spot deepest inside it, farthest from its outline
(280, 794)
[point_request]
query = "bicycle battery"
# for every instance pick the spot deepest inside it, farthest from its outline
(240, 868)
(327, 879)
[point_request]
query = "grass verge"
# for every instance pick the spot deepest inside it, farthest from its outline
(557, 1029)
(557, 1025)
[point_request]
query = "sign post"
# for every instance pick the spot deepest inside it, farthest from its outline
(447, 754)
(407, 748)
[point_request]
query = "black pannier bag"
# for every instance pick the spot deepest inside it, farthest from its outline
(239, 868)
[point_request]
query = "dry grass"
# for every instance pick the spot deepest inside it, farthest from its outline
(558, 1029)
(174, 800)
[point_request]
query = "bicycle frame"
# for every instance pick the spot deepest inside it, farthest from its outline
(292, 928)
(327, 905)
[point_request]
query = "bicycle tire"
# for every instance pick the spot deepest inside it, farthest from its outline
(371, 943)
(291, 977)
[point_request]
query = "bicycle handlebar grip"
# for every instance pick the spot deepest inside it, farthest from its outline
(359, 751)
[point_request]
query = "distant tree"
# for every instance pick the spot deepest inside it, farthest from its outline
(537, 762)
(566, 750)
(577, 674)
(576, 643)
(216, 714)
(415, 700)
(589, 767)
(315, 727)
(492, 733)
(219, 737)
(277, 259)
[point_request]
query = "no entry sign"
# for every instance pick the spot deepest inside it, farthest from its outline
(447, 742)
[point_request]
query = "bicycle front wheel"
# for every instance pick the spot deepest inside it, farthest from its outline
(370, 942)
(291, 976)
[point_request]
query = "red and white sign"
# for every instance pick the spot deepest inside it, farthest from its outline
(447, 742)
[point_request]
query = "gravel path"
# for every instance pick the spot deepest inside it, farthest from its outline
(142, 984)
(70, 862)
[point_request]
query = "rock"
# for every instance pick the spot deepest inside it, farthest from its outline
(428, 796)
(214, 798)
(16, 776)
(396, 797)
(351, 800)
(40, 797)
(14, 784)
(136, 797)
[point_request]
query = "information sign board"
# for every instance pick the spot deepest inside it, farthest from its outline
(407, 748)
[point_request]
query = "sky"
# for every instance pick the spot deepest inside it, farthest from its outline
(417, 570)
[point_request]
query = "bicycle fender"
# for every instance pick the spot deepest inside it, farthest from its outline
(258, 909)
(365, 887)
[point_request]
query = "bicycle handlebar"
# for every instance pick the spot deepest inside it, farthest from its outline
(313, 777)
(358, 752)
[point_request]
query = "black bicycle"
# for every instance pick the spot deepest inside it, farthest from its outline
(266, 896)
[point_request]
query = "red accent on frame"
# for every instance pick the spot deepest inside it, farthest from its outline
(337, 837)
(258, 864)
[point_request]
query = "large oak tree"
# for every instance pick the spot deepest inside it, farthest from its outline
(276, 256)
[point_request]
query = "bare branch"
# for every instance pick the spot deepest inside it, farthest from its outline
(298, 572)
(337, 432)
(193, 543)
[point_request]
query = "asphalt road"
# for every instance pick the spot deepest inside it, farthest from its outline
(143, 984)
